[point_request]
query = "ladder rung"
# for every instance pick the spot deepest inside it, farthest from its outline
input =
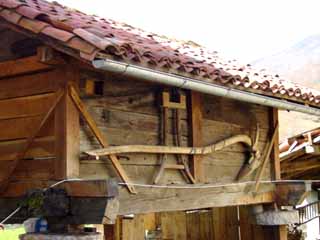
(174, 166)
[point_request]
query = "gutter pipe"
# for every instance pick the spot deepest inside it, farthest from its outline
(159, 77)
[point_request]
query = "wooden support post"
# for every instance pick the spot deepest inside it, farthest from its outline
(67, 130)
(280, 232)
(195, 121)
(275, 152)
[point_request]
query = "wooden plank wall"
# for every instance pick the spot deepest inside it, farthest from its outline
(128, 113)
(227, 223)
(24, 100)
(210, 224)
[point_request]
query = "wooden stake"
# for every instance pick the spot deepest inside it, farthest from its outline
(94, 128)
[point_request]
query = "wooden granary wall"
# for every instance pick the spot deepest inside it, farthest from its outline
(128, 113)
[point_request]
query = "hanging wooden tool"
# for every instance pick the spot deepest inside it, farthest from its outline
(96, 131)
(175, 106)
(254, 162)
(243, 139)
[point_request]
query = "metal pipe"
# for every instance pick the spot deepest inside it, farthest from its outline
(155, 76)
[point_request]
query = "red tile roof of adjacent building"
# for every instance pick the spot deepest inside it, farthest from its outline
(91, 35)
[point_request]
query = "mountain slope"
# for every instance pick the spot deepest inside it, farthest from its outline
(301, 64)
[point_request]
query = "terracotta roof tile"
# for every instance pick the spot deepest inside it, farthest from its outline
(28, 12)
(61, 35)
(10, 16)
(32, 25)
(92, 35)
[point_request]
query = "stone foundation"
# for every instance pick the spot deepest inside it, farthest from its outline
(83, 236)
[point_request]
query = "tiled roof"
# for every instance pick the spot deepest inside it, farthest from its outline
(92, 35)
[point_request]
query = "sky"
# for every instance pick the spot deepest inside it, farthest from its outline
(239, 29)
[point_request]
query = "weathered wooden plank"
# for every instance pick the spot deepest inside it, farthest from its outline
(97, 133)
(196, 130)
(41, 147)
(133, 229)
(22, 66)
(192, 225)
(244, 114)
(115, 118)
(144, 173)
(22, 127)
(246, 231)
(33, 134)
(225, 223)
(25, 106)
(173, 225)
(26, 85)
(130, 120)
(91, 188)
(275, 155)
(141, 98)
(28, 170)
(205, 225)
(150, 221)
(156, 200)
(67, 130)
(141, 174)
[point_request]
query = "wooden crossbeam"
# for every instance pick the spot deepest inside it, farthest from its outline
(104, 143)
(22, 66)
(22, 153)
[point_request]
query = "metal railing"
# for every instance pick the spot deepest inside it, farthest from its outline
(308, 212)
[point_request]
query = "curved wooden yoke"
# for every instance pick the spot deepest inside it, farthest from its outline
(244, 139)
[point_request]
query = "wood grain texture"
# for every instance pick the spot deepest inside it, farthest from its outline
(41, 147)
(25, 106)
(196, 134)
(275, 155)
(19, 128)
(27, 85)
(33, 134)
(156, 200)
(22, 66)
(102, 140)
(67, 129)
